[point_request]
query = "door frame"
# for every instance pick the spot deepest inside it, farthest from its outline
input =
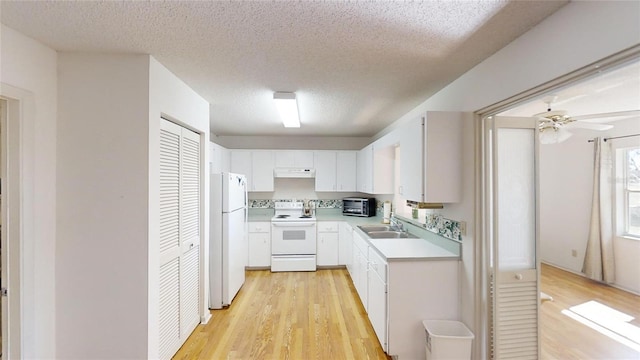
(482, 307)
(18, 229)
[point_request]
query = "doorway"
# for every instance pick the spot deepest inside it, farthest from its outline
(485, 257)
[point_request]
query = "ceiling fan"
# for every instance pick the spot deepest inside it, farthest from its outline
(554, 125)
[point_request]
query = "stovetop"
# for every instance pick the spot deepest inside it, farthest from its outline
(293, 217)
(291, 211)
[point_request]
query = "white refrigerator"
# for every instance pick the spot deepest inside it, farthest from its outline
(228, 246)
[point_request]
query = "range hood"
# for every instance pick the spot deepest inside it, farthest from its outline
(294, 173)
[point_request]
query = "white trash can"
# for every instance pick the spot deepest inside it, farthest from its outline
(447, 339)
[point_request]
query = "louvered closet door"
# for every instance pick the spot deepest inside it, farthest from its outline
(179, 236)
(190, 232)
(170, 143)
(515, 229)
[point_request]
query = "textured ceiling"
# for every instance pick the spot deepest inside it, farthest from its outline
(355, 66)
(606, 92)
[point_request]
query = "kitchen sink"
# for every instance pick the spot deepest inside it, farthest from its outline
(385, 232)
(369, 228)
(390, 235)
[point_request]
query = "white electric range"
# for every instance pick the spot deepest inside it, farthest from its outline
(293, 238)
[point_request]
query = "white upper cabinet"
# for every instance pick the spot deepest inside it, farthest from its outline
(431, 158)
(241, 164)
(256, 165)
(375, 169)
(219, 158)
(335, 170)
(294, 159)
(262, 167)
(325, 162)
(346, 171)
(365, 170)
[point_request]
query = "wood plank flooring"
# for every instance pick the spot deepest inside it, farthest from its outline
(564, 338)
(288, 315)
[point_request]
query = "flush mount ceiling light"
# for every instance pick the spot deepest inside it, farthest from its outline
(288, 108)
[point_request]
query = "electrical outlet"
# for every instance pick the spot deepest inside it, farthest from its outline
(463, 228)
(574, 252)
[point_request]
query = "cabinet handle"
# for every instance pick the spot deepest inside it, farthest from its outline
(518, 276)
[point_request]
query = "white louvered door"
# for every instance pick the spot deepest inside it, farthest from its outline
(179, 236)
(190, 232)
(515, 331)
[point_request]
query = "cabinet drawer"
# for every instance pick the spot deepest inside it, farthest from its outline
(378, 264)
(327, 226)
(259, 227)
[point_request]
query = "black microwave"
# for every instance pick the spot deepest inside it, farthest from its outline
(359, 207)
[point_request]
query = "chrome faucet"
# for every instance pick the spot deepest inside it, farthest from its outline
(396, 223)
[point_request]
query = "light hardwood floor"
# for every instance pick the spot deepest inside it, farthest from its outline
(564, 338)
(288, 315)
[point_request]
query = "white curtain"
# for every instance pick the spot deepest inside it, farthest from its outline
(598, 261)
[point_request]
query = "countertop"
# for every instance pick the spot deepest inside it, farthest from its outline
(426, 248)
(410, 249)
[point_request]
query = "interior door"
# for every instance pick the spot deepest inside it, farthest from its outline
(513, 234)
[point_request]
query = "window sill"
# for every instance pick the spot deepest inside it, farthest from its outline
(630, 237)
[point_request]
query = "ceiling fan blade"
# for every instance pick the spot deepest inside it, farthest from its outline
(588, 125)
(607, 117)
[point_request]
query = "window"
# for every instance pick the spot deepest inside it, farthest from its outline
(631, 191)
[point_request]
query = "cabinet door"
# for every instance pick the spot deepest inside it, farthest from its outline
(411, 160)
(294, 159)
(325, 162)
(260, 249)
(284, 158)
(364, 169)
(327, 254)
(443, 155)
(352, 265)
(346, 168)
(362, 277)
(304, 159)
(345, 244)
(241, 164)
(262, 169)
(377, 307)
(215, 158)
(382, 168)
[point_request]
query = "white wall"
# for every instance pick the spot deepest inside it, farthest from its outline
(523, 64)
(172, 98)
(31, 66)
(108, 161)
(102, 206)
(566, 182)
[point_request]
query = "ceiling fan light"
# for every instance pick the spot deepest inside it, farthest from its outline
(553, 136)
(288, 109)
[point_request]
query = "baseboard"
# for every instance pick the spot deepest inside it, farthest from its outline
(614, 285)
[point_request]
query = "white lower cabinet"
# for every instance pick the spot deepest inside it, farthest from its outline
(327, 243)
(345, 244)
(377, 297)
(399, 295)
(259, 244)
(360, 260)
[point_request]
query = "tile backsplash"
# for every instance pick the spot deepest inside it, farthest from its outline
(318, 204)
(448, 228)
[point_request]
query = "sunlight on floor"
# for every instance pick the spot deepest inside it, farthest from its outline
(607, 321)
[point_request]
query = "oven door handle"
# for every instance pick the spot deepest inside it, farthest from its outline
(293, 224)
